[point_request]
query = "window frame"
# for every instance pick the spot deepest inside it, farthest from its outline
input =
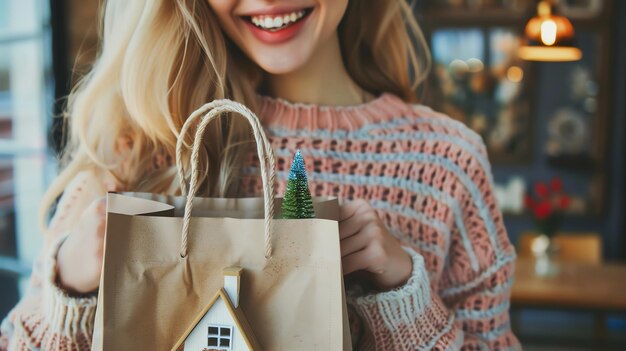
(219, 337)
(28, 156)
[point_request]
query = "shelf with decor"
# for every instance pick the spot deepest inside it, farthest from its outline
(543, 119)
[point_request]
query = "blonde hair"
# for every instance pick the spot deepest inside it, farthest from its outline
(161, 59)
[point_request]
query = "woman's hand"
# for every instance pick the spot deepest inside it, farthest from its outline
(80, 257)
(367, 245)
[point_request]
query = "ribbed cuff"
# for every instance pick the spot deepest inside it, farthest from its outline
(408, 313)
(66, 314)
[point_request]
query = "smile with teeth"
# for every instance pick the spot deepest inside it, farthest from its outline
(277, 22)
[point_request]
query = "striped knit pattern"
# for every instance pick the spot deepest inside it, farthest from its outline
(429, 178)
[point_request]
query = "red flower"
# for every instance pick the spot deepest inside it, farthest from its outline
(543, 210)
(564, 202)
(541, 189)
(556, 185)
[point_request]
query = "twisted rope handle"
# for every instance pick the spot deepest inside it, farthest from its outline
(208, 112)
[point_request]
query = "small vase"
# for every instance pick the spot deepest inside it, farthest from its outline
(545, 251)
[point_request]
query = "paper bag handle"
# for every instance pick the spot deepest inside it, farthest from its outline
(208, 112)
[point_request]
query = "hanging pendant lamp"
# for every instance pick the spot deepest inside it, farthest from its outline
(550, 38)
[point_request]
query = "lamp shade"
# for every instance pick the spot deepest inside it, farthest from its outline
(549, 37)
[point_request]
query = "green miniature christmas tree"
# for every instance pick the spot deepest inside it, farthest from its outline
(297, 202)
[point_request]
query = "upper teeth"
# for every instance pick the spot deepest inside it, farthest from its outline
(277, 21)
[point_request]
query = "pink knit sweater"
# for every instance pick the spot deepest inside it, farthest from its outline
(429, 179)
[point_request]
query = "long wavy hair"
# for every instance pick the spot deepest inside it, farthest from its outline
(159, 60)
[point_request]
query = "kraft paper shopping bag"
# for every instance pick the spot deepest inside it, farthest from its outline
(165, 258)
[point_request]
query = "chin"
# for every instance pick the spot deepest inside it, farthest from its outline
(280, 64)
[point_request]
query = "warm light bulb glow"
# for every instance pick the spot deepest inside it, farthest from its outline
(548, 32)
(515, 74)
(550, 53)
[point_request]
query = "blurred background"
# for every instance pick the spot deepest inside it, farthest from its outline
(544, 84)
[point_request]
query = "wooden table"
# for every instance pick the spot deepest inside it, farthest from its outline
(573, 285)
(596, 287)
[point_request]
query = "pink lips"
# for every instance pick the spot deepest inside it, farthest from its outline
(276, 36)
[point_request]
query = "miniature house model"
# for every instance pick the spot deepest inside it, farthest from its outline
(221, 325)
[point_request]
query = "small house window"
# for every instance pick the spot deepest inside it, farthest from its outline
(220, 337)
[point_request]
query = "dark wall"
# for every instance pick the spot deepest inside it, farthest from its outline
(618, 203)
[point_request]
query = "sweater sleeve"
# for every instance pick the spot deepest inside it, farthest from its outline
(415, 317)
(467, 307)
(47, 317)
(410, 317)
